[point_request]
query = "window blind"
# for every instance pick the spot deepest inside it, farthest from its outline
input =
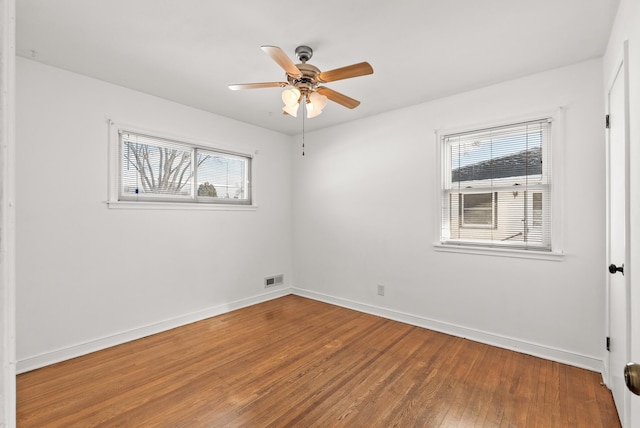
(222, 176)
(496, 187)
(157, 169)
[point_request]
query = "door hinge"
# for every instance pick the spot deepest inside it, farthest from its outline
(607, 122)
(608, 343)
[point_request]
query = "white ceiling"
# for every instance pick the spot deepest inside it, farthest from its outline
(188, 51)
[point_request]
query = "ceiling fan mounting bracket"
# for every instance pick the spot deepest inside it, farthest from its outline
(304, 53)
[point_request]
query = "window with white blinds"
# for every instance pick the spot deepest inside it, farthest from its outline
(496, 186)
(158, 169)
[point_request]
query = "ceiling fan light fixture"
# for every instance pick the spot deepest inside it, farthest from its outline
(312, 110)
(303, 80)
(315, 103)
(313, 113)
(319, 101)
(292, 109)
(291, 96)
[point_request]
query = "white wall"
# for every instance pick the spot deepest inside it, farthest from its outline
(89, 276)
(365, 214)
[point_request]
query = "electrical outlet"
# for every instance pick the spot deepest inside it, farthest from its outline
(380, 290)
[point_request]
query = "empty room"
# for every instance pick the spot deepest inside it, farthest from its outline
(359, 214)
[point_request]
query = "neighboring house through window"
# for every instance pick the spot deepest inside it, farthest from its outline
(496, 187)
(478, 210)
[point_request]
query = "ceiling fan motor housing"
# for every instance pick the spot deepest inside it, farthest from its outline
(307, 83)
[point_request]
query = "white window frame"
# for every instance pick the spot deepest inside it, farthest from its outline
(192, 202)
(555, 190)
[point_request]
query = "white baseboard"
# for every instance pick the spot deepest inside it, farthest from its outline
(537, 350)
(48, 358)
(542, 351)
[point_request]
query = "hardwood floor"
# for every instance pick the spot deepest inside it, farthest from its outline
(298, 362)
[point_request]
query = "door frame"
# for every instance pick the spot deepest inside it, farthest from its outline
(620, 71)
(7, 215)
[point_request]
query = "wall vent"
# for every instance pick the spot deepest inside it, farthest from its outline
(272, 281)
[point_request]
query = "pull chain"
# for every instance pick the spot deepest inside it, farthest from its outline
(303, 109)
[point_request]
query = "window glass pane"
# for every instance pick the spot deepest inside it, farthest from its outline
(477, 209)
(507, 217)
(158, 169)
(497, 154)
(222, 176)
(150, 168)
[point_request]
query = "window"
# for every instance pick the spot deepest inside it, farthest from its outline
(496, 187)
(162, 170)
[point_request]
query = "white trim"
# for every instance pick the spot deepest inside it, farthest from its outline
(7, 214)
(558, 182)
(150, 205)
(512, 120)
(184, 139)
(547, 352)
(79, 349)
(502, 252)
(607, 279)
(630, 416)
(501, 341)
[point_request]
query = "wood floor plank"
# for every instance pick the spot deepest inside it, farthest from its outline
(298, 362)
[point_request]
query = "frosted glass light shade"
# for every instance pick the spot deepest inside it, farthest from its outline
(290, 96)
(291, 109)
(312, 110)
(315, 103)
(318, 100)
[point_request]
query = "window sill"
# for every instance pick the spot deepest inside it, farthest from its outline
(500, 252)
(133, 205)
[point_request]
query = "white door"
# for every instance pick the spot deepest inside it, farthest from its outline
(617, 245)
(632, 242)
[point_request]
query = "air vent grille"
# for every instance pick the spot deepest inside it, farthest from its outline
(273, 281)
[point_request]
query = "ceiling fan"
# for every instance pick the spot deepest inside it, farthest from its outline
(305, 80)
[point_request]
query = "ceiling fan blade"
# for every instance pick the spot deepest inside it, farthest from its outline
(239, 86)
(355, 70)
(339, 98)
(282, 59)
